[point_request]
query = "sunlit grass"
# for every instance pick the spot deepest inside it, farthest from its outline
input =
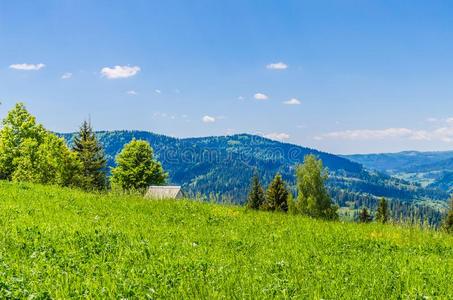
(64, 243)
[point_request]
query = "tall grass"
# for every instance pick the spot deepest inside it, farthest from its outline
(61, 243)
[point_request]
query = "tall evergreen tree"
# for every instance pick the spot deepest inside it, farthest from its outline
(364, 216)
(382, 214)
(276, 195)
(256, 194)
(91, 155)
(448, 222)
(313, 198)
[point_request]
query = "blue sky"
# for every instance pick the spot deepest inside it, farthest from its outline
(340, 76)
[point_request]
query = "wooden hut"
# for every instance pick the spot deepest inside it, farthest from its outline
(164, 192)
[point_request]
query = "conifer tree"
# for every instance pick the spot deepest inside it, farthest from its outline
(313, 199)
(382, 214)
(291, 204)
(276, 195)
(91, 155)
(365, 216)
(256, 194)
(448, 222)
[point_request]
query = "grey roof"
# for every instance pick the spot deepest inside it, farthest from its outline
(161, 192)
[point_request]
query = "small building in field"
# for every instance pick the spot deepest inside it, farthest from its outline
(164, 192)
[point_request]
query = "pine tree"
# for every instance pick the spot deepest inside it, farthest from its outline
(91, 154)
(256, 195)
(276, 195)
(365, 216)
(291, 204)
(382, 214)
(448, 222)
(313, 199)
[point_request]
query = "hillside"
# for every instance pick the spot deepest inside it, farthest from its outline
(407, 161)
(61, 243)
(222, 167)
(430, 169)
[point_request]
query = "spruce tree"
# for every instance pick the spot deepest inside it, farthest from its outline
(276, 195)
(365, 216)
(256, 194)
(382, 214)
(448, 222)
(91, 155)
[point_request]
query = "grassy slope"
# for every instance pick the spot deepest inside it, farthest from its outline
(62, 243)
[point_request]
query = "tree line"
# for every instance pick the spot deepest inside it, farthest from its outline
(30, 153)
(312, 200)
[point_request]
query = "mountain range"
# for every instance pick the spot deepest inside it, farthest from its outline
(428, 169)
(220, 168)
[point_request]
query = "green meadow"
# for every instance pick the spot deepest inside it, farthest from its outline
(62, 243)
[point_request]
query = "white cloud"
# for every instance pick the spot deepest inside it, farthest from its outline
(66, 75)
(277, 136)
(208, 119)
(260, 96)
(241, 98)
(160, 115)
(119, 72)
(292, 101)
(27, 67)
(132, 93)
(277, 66)
(444, 134)
(367, 134)
(157, 91)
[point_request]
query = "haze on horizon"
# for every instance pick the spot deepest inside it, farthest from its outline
(339, 76)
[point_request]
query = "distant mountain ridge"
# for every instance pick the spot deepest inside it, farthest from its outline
(431, 169)
(402, 161)
(221, 166)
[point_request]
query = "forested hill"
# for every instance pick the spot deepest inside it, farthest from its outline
(407, 161)
(431, 169)
(223, 166)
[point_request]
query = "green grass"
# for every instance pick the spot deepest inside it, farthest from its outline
(61, 243)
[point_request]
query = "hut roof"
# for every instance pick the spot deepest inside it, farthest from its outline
(160, 192)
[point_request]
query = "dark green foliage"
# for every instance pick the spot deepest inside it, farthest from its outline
(382, 213)
(256, 194)
(205, 166)
(448, 222)
(136, 168)
(313, 199)
(364, 216)
(276, 195)
(291, 204)
(91, 154)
